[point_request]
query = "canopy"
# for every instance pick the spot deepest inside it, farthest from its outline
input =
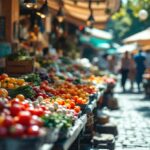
(99, 33)
(95, 42)
(141, 38)
(127, 47)
(78, 13)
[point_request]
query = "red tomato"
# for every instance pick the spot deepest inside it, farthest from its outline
(15, 101)
(43, 107)
(24, 118)
(79, 101)
(38, 112)
(8, 121)
(17, 130)
(77, 109)
(15, 109)
(45, 82)
(75, 98)
(72, 104)
(3, 131)
(25, 104)
(3, 76)
(33, 130)
(31, 110)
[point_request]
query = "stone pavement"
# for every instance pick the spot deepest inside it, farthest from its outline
(133, 122)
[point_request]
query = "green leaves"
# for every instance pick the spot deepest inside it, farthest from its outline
(58, 120)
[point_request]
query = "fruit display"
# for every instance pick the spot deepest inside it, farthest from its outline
(35, 105)
(10, 82)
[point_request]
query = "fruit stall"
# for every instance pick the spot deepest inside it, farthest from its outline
(51, 106)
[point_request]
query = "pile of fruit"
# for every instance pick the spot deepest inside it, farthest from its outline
(35, 103)
(10, 83)
(21, 117)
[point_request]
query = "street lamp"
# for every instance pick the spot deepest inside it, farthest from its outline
(30, 3)
(90, 21)
(43, 11)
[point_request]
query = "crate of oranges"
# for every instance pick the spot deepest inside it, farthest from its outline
(10, 82)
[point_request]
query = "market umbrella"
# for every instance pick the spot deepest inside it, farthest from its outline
(146, 47)
(127, 47)
(141, 38)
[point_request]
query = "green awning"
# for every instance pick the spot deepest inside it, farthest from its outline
(111, 51)
(95, 42)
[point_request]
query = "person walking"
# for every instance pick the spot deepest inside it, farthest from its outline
(140, 68)
(125, 67)
(132, 71)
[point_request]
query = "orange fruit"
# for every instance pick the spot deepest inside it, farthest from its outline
(68, 106)
(3, 92)
(20, 97)
(4, 85)
(12, 80)
(77, 109)
(10, 86)
(79, 101)
(84, 101)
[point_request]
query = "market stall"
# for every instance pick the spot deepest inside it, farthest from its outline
(50, 107)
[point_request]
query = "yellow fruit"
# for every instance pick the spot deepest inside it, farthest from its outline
(20, 81)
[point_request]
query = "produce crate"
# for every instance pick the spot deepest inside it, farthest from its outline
(17, 68)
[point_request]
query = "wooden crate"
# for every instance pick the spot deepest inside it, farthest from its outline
(16, 68)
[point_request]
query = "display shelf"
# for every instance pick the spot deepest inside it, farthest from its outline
(74, 133)
(93, 103)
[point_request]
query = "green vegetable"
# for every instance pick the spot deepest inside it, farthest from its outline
(27, 91)
(58, 120)
(33, 77)
(20, 55)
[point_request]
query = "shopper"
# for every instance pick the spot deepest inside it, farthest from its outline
(140, 67)
(112, 63)
(132, 71)
(125, 67)
(148, 59)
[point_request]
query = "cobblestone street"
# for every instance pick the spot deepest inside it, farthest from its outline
(133, 122)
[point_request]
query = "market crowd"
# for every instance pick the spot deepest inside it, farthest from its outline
(133, 67)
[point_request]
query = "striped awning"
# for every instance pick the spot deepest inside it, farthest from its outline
(78, 13)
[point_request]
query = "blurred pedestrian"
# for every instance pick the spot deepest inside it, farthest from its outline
(140, 68)
(148, 59)
(112, 63)
(132, 71)
(125, 67)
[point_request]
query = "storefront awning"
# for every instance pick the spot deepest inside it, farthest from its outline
(99, 33)
(95, 42)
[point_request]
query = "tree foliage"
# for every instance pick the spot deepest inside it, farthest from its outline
(127, 22)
